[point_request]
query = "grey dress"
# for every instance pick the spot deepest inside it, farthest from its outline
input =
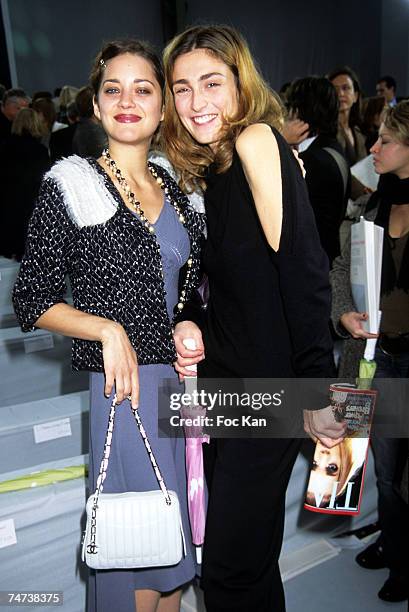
(129, 466)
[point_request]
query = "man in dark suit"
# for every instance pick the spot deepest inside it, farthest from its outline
(61, 140)
(314, 100)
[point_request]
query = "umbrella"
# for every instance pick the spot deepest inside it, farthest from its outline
(194, 460)
(195, 473)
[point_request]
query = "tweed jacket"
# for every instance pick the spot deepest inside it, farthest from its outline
(342, 301)
(82, 228)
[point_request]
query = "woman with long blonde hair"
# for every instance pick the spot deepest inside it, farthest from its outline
(268, 310)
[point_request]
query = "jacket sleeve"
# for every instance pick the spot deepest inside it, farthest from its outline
(41, 281)
(303, 271)
(342, 300)
(306, 295)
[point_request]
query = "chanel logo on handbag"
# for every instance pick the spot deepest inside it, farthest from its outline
(132, 529)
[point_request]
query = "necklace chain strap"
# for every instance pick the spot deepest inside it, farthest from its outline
(131, 197)
(136, 206)
(92, 546)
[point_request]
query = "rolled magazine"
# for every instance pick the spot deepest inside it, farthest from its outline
(337, 474)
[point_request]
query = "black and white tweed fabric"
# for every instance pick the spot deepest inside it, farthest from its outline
(82, 228)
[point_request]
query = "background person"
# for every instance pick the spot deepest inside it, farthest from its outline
(89, 138)
(389, 208)
(314, 101)
(373, 110)
(66, 96)
(61, 140)
(13, 100)
(386, 87)
(23, 163)
(349, 133)
(46, 109)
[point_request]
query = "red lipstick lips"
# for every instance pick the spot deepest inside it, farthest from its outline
(122, 118)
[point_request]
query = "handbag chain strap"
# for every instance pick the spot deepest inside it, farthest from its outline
(92, 546)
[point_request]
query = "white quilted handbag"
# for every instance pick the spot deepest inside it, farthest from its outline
(133, 529)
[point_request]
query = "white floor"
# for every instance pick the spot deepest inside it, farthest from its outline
(337, 585)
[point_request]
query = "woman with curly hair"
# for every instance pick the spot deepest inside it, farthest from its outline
(268, 310)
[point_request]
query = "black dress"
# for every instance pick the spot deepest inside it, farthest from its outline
(267, 316)
(268, 311)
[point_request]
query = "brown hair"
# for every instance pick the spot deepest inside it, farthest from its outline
(45, 107)
(372, 107)
(28, 121)
(397, 120)
(256, 102)
(83, 102)
(120, 47)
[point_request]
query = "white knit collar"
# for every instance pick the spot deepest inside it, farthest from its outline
(86, 196)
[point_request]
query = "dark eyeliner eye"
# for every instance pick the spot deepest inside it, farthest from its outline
(332, 468)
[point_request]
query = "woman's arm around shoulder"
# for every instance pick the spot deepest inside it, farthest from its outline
(259, 154)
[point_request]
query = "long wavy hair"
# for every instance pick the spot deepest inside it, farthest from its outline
(256, 102)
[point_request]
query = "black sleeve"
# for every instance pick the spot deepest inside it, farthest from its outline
(41, 280)
(304, 277)
(305, 292)
(342, 300)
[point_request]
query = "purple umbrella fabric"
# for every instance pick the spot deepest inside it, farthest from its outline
(195, 473)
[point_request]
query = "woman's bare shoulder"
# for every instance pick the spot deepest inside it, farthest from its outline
(256, 138)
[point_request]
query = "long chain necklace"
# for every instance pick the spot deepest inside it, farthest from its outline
(136, 206)
(131, 197)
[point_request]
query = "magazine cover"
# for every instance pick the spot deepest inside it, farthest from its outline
(337, 474)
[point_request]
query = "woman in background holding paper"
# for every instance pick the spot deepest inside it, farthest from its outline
(388, 207)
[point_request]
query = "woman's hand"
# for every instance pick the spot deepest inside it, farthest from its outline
(187, 330)
(321, 425)
(352, 321)
(120, 363)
